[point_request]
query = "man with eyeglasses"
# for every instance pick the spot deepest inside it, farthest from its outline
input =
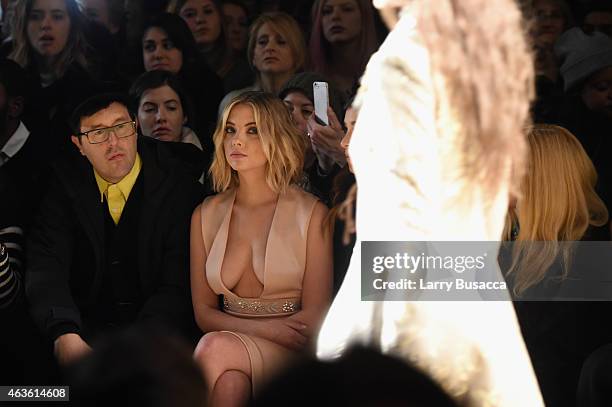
(110, 245)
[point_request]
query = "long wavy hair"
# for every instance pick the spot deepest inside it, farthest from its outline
(320, 49)
(282, 143)
(76, 47)
(558, 205)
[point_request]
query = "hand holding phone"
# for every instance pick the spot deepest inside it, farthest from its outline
(321, 102)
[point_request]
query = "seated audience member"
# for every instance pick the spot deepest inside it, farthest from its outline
(362, 378)
(49, 41)
(550, 19)
(342, 39)
(24, 154)
(598, 18)
(157, 368)
(324, 155)
(236, 20)
(110, 244)
(11, 247)
(276, 51)
(108, 13)
(557, 206)
(587, 76)
(343, 195)
(205, 20)
(164, 112)
(262, 245)
(12, 315)
(168, 45)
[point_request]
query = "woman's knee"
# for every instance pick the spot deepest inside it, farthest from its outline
(220, 348)
(233, 382)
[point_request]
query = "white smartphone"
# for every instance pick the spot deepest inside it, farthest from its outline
(321, 102)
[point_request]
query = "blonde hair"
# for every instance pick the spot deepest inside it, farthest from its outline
(76, 45)
(558, 204)
(282, 143)
(288, 28)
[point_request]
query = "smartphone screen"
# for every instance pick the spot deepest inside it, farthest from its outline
(321, 102)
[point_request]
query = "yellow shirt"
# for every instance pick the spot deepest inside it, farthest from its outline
(117, 194)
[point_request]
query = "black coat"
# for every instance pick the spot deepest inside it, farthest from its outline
(63, 284)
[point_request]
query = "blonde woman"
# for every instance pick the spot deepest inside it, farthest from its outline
(557, 206)
(276, 51)
(261, 245)
(558, 203)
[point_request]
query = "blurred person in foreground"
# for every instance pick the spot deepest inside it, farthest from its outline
(442, 107)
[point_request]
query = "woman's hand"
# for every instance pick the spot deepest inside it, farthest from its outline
(325, 141)
(286, 332)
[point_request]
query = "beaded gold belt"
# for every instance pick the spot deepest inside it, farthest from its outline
(261, 307)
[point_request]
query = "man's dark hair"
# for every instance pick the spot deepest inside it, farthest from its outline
(13, 78)
(93, 105)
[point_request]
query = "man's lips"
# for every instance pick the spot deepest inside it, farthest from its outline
(115, 156)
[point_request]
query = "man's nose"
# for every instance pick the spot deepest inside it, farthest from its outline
(112, 138)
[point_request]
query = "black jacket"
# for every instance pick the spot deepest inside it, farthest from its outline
(64, 284)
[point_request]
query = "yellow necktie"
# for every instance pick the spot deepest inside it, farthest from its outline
(115, 201)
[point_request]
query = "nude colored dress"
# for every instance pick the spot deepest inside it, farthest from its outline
(284, 265)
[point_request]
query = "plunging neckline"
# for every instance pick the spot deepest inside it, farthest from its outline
(225, 233)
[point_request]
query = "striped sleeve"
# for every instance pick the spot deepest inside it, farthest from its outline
(11, 265)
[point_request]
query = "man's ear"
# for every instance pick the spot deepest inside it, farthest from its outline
(77, 142)
(185, 120)
(16, 105)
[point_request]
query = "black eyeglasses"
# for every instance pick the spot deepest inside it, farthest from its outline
(121, 130)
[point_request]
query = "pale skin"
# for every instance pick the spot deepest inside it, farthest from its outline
(222, 357)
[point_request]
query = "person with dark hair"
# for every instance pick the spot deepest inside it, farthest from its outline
(362, 377)
(109, 13)
(167, 44)
(587, 76)
(205, 20)
(343, 195)
(24, 151)
(236, 20)
(550, 19)
(597, 17)
(324, 155)
(110, 243)
(164, 109)
(157, 368)
(165, 112)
